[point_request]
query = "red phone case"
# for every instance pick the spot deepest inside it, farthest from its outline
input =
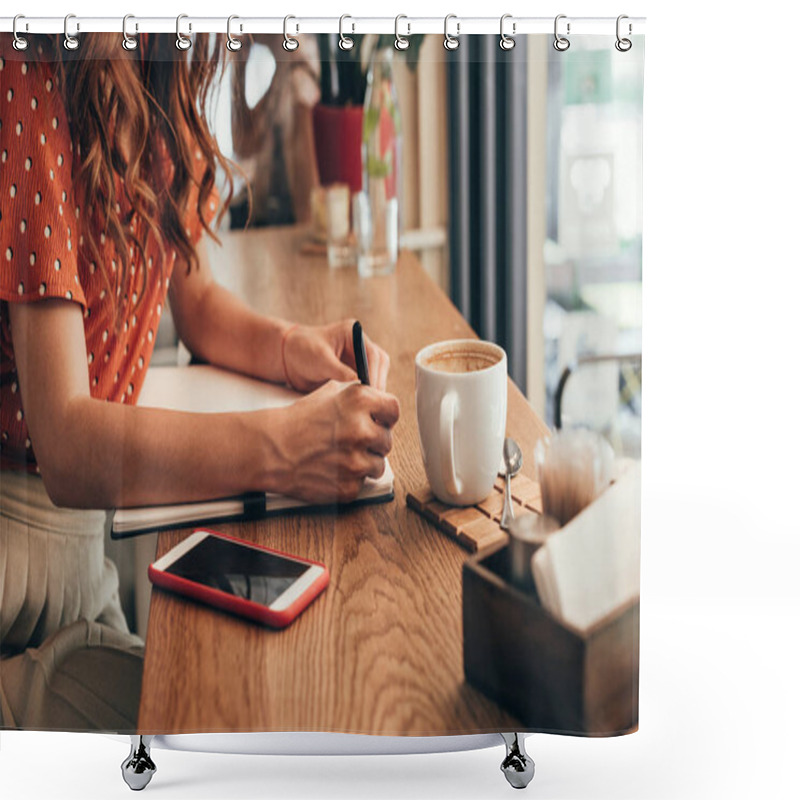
(238, 605)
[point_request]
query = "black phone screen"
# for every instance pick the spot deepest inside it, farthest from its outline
(242, 571)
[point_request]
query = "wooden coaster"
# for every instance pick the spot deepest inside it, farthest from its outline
(478, 527)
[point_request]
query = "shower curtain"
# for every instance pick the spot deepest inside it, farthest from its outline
(187, 234)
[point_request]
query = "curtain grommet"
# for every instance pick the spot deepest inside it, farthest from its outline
(71, 42)
(451, 42)
(507, 42)
(182, 42)
(233, 44)
(623, 44)
(345, 42)
(20, 42)
(290, 43)
(401, 43)
(129, 42)
(560, 43)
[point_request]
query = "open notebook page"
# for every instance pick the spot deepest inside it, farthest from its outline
(207, 389)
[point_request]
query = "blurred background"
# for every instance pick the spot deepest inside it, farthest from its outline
(519, 178)
(521, 188)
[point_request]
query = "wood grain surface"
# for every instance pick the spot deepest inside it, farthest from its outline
(380, 651)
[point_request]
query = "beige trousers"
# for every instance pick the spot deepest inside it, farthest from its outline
(67, 659)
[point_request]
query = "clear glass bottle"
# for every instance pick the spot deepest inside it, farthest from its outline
(376, 209)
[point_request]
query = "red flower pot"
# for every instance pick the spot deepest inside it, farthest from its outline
(337, 140)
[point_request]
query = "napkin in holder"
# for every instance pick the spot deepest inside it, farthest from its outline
(570, 664)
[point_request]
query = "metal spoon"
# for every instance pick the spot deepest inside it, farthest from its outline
(512, 456)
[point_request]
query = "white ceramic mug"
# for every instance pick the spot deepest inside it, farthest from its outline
(461, 412)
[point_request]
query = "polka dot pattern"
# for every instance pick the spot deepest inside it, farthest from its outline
(43, 253)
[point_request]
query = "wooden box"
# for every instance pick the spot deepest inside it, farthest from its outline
(550, 676)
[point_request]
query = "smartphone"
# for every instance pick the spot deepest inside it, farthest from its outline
(239, 577)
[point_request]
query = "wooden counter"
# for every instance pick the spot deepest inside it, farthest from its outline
(380, 651)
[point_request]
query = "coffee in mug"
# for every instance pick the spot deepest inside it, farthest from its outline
(461, 413)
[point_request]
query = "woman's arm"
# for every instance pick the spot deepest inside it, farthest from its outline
(95, 454)
(221, 329)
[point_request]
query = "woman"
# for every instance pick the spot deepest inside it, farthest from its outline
(106, 190)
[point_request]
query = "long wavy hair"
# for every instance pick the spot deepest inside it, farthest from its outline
(122, 107)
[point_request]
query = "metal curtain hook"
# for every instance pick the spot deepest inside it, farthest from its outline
(129, 42)
(401, 42)
(70, 42)
(290, 43)
(233, 44)
(507, 42)
(182, 42)
(345, 42)
(451, 42)
(561, 43)
(20, 42)
(623, 45)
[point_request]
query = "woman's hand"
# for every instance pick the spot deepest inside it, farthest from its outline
(315, 354)
(330, 441)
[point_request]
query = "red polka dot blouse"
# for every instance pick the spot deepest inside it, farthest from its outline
(42, 252)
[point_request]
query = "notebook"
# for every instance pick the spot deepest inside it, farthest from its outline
(207, 389)
(591, 566)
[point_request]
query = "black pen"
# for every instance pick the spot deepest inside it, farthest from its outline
(360, 351)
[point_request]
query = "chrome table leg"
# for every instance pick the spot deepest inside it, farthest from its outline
(138, 768)
(517, 766)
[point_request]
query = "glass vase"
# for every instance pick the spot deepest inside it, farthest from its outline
(376, 209)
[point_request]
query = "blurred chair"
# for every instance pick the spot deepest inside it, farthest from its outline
(606, 396)
(272, 97)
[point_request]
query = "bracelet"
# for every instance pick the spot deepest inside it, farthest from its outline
(283, 355)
